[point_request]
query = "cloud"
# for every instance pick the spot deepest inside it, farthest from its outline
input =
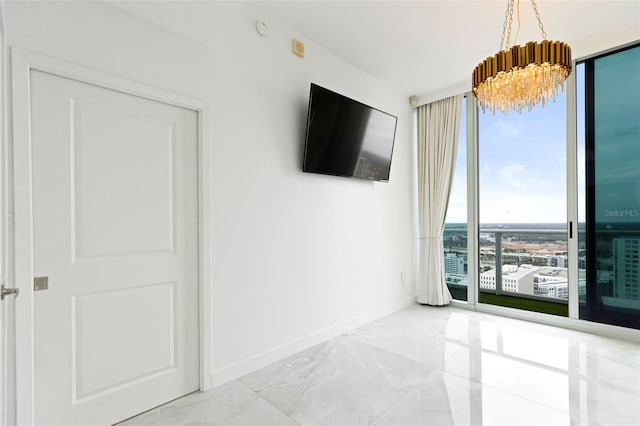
(508, 129)
(456, 211)
(512, 175)
(500, 205)
(620, 174)
(519, 193)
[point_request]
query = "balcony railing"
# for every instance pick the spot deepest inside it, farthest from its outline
(499, 238)
(532, 243)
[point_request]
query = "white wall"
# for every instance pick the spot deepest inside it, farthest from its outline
(296, 257)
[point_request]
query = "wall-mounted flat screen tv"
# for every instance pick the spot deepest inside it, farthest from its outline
(347, 138)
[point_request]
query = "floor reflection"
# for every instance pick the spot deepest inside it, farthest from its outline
(574, 378)
(431, 366)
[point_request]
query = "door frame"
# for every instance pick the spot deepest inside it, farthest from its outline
(22, 62)
(7, 382)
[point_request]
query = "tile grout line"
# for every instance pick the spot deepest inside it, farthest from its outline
(258, 396)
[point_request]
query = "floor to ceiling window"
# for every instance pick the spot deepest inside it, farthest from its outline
(608, 89)
(507, 242)
(522, 205)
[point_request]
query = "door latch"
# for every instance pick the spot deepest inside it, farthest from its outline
(4, 291)
(40, 283)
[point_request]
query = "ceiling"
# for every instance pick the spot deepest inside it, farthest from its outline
(419, 47)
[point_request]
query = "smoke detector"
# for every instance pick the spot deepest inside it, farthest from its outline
(262, 28)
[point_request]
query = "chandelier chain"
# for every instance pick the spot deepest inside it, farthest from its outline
(535, 9)
(509, 30)
(506, 27)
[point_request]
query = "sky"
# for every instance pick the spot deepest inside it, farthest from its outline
(522, 167)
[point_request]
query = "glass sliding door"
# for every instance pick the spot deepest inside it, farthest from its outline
(609, 136)
(509, 240)
(522, 204)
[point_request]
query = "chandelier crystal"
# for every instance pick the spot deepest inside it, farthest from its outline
(519, 77)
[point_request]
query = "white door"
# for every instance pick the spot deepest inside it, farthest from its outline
(115, 232)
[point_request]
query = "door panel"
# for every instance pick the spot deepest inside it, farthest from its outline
(522, 199)
(609, 136)
(115, 232)
(140, 148)
(130, 359)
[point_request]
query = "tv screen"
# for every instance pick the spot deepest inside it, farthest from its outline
(347, 138)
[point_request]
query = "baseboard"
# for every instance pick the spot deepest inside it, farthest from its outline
(234, 371)
(605, 330)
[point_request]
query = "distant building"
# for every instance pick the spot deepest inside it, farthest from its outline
(626, 268)
(518, 279)
(552, 281)
(487, 238)
(453, 264)
(556, 289)
(582, 262)
(558, 261)
(582, 287)
(457, 279)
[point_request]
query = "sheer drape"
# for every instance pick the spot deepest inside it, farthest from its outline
(438, 130)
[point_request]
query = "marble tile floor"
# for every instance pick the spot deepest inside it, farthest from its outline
(431, 366)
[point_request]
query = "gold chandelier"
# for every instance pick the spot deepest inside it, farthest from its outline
(520, 77)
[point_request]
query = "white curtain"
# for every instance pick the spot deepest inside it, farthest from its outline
(438, 130)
